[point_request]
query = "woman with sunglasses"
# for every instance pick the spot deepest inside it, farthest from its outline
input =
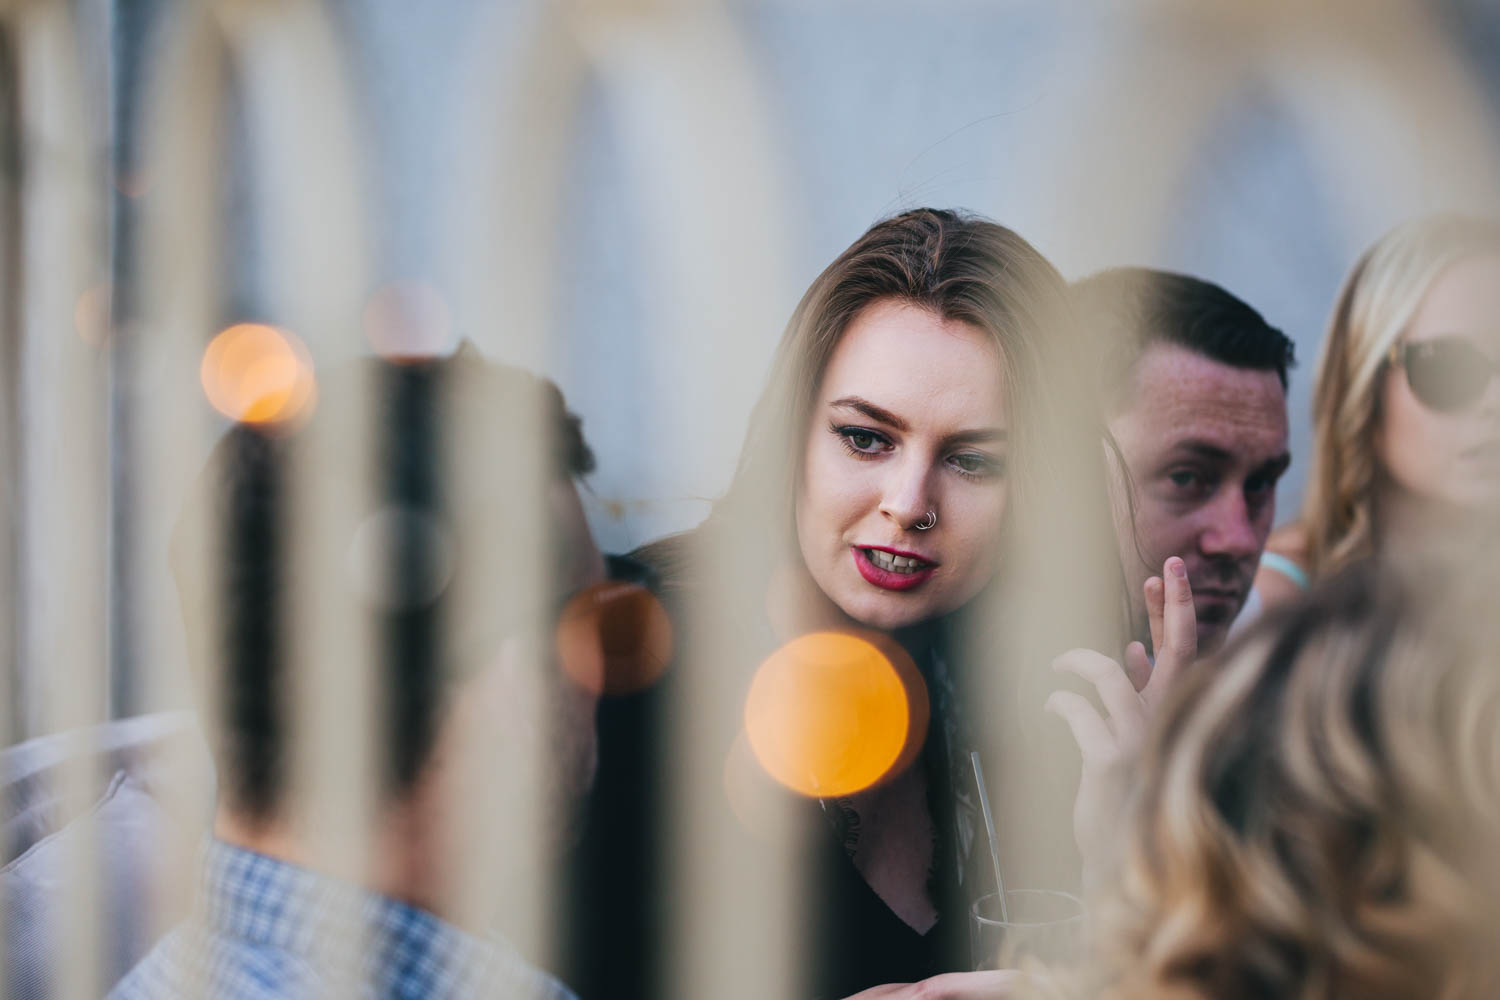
(1406, 452)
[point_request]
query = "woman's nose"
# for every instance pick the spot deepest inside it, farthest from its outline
(906, 498)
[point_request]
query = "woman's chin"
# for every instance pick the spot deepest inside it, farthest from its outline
(887, 612)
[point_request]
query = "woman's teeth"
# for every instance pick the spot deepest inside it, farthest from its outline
(894, 564)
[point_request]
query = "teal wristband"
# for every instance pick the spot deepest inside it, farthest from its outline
(1287, 568)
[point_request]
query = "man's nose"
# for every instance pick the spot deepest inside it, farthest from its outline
(906, 494)
(1230, 529)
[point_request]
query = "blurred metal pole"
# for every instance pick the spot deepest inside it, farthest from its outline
(282, 60)
(12, 533)
(65, 473)
(701, 153)
(306, 163)
(179, 120)
(12, 441)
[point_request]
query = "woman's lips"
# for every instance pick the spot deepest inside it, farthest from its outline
(889, 576)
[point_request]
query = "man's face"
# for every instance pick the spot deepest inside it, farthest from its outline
(1204, 443)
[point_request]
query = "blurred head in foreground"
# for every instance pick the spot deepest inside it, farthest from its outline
(1407, 403)
(1194, 382)
(1317, 817)
(418, 532)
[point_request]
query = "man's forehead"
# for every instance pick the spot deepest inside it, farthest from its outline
(1177, 396)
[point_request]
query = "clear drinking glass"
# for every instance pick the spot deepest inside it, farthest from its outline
(1040, 924)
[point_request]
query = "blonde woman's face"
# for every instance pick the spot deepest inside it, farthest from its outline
(909, 424)
(1447, 452)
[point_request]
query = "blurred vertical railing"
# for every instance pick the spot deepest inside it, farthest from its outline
(302, 158)
(501, 263)
(1391, 113)
(12, 613)
(62, 436)
(180, 121)
(12, 617)
(699, 155)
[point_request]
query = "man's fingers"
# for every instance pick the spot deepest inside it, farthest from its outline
(1137, 665)
(888, 991)
(1093, 737)
(1180, 626)
(990, 985)
(1114, 687)
(1155, 600)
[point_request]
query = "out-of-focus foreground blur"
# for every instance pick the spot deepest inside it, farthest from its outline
(205, 207)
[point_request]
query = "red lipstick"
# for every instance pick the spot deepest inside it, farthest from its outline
(887, 578)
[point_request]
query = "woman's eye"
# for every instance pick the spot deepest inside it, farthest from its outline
(862, 441)
(977, 465)
(1185, 480)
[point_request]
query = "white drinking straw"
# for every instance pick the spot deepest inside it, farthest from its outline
(989, 828)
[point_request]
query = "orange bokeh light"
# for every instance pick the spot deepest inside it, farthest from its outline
(614, 638)
(833, 713)
(258, 374)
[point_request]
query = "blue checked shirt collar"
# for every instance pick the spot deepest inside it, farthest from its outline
(255, 912)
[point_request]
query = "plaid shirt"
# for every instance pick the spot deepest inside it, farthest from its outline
(263, 928)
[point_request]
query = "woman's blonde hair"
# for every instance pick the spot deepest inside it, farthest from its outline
(1374, 308)
(1315, 815)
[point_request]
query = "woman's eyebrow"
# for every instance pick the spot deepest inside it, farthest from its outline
(872, 411)
(979, 435)
(982, 435)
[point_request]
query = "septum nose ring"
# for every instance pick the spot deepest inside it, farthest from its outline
(929, 521)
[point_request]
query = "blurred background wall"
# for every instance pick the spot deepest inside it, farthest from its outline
(1283, 142)
(670, 176)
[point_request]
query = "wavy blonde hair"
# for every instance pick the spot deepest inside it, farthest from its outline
(1374, 308)
(1315, 816)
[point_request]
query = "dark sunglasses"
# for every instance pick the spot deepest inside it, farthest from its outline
(1446, 374)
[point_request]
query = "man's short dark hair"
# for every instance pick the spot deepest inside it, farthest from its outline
(1130, 308)
(395, 534)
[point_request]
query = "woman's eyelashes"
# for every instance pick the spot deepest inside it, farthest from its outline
(861, 442)
(972, 465)
(865, 443)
